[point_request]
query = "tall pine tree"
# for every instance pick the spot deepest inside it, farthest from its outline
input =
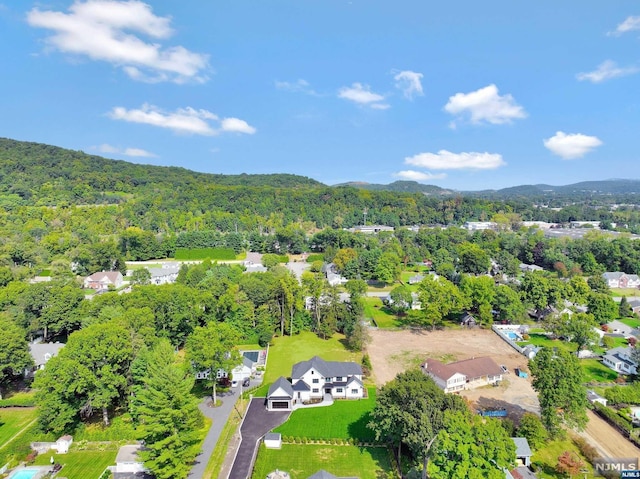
(168, 414)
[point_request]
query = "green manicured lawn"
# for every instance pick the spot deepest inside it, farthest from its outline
(303, 460)
(594, 371)
(343, 420)
(542, 340)
(13, 420)
(288, 350)
(546, 459)
(81, 464)
(20, 399)
(619, 292)
(631, 322)
(384, 318)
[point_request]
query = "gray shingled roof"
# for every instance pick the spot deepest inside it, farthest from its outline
(327, 369)
(322, 474)
(522, 447)
(281, 382)
(42, 352)
(301, 386)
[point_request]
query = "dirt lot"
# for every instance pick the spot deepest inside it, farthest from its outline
(608, 441)
(392, 352)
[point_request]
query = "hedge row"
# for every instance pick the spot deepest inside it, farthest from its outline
(205, 253)
(612, 417)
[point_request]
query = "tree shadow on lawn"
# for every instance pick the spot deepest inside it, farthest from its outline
(359, 429)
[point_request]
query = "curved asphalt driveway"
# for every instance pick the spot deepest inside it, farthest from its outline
(257, 422)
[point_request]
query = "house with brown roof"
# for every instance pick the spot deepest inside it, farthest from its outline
(103, 279)
(466, 374)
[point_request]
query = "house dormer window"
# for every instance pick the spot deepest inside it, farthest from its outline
(338, 378)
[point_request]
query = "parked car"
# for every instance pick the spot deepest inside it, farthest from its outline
(246, 382)
(505, 370)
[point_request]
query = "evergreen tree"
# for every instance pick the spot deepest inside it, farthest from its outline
(168, 415)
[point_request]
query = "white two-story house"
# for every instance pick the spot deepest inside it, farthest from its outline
(316, 379)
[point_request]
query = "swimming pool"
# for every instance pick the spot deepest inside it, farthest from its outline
(513, 336)
(24, 474)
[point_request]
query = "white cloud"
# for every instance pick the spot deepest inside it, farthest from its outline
(485, 105)
(571, 146)
(419, 175)
(630, 24)
(362, 95)
(410, 83)
(183, 120)
(298, 86)
(446, 160)
(606, 71)
(107, 30)
(133, 152)
(236, 125)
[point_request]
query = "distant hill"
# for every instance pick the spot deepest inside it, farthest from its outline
(578, 190)
(400, 186)
(25, 167)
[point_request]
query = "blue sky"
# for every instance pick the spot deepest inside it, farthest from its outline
(461, 94)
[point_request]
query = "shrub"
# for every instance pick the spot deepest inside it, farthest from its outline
(526, 337)
(632, 341)
(608, 342)
(613, 417)
(366, 365)
(586, 449)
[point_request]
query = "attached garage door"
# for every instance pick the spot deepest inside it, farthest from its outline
(280, 405)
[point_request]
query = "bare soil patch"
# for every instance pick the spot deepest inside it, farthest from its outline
(392, 352)
(608, 441)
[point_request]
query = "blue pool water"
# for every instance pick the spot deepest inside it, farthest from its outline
(24, 474)
(513, 336)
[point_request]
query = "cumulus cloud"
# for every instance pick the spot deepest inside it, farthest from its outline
(606, 71)
(410, 83)
(362, 95)
(571, 146)
(485, 105)
(414, 175)
(446, 160)
(133, 152)
(630, 24)
(183, 120)
(111, 30)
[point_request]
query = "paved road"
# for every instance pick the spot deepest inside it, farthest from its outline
(219, 415)
(257, 423)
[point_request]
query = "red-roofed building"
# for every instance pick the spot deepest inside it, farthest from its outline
(466, 374)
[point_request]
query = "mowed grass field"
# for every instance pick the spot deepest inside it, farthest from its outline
(13, 420)
(81, 464)
(385, 319)
(343, 420)
(288, 350)
(303, 460)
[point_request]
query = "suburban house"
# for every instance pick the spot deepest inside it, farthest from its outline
(466, 374)
(635, 306)
(242, 371)
(619, 359)
(618, 279)
(165, 275)
(530, 268)
(128, 464)
(103, 280)
(331, 273)
(371, 229)
(313, 380)
(41, 353)
(415, 279)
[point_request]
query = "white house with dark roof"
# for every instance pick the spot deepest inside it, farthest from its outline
(466, 374)
(316, 379)
(618, 279)
(619, 359)
(165, 275)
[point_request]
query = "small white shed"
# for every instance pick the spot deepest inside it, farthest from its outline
(273, 440)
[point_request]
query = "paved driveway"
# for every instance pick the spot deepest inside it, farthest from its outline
(257, 422)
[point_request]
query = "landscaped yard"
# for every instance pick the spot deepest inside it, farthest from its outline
(13, 420)
(619, 292)
(546, 459)
(303, 460)
(343, 420)
(538, 339)
(594, 371)
(631, 322)
(384, 318)
(81, 464)
(288, 350)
